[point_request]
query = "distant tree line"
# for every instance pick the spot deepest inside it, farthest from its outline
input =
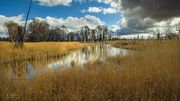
(38, 31)
(4, 39)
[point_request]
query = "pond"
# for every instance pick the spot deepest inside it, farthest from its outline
(78, 58)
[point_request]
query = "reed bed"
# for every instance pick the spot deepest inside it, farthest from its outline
(36, 51)
(134, 44)
(152, 74)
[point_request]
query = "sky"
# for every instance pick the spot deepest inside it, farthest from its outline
(118, 15)
(101, 13)
(74, 9)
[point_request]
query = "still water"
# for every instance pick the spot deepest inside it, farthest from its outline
(79, 58)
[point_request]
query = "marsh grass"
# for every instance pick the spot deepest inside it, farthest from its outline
(152, 74)
(135, 44)
(36, 51)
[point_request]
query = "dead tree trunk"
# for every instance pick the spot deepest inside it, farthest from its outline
(21, 32)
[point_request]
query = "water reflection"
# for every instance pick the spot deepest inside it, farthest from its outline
(79, 58)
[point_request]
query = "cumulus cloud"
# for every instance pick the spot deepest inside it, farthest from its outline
(113, 3)
(100, 10)
(106, 1)
(4, 19)
(137, 24)
(142, 15)
(175, 21)
(17, 19)
(72, 23)
(114, 28)
(94, 10)
(52, 3)
(109, 11)
(82, 1)
(155, 9)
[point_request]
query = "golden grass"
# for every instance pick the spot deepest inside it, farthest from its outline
(134, 44)
(35, 51)
(152, 74)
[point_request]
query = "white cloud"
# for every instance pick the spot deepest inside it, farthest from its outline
(170, 22)
(72, 23)
(105, 1)
(114, 27)
(17, 19)
(165, 26)
(161, 23)
(115, 6)
(100, 10)
(109, 11)
(51, 3)
(175, 21)
(4, 19)
(94, 10)
(113, 3)
(82, 1)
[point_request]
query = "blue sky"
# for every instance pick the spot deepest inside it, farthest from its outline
(10, 8)
(77, 13)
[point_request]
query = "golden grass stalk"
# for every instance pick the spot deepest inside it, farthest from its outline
(151, 74)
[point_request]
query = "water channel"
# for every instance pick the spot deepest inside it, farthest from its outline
(78, 58)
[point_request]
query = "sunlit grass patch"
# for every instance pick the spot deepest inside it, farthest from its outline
(34, 51)
(149, 75)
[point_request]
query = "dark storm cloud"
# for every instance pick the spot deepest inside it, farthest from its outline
(155, 9)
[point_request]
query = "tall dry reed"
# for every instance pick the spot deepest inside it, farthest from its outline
(152, 74)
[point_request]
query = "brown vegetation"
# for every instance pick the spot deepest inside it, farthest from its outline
(136, 44)
(36, 51)
(149, 75)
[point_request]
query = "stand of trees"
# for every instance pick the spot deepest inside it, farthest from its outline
(38, 31)
(15, 32)
(4, 39)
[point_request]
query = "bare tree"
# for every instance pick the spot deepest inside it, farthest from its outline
(99, 31)
(21, 40)
(63, 28)
(93, 38)
(12, 30)
(15, 33)
(87, 33)
(105, 33)
(83, 33)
